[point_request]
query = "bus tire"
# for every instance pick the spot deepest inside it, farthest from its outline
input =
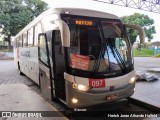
(19, 70)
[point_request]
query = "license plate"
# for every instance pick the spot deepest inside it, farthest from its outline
(97, 83)
(112, 97)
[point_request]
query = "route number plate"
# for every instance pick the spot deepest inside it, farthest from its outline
(97, 83)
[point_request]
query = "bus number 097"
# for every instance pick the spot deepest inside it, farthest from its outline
(96, 83)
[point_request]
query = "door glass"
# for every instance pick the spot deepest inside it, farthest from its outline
(43, 50)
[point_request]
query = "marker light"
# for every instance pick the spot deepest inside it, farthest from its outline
(66, 12)
(74, 100)
(74, 85)
(132, 80)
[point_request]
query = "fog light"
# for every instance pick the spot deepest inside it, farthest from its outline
(74, 100)
(132, 80)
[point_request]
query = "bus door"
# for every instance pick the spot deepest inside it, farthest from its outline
(59, 66)
(44, 67)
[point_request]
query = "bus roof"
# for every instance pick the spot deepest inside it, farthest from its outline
(84, 12)
(73, 11)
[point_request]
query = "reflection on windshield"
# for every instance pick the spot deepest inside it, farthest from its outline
(111, 29)
(110, 60)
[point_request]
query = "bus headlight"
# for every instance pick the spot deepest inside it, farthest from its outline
(132, 80)
(80, 87)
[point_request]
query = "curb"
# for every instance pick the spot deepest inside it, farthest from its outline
(145, 105)
(6, 58)
(153, 71)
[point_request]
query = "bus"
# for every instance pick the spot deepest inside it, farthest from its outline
(81, 57)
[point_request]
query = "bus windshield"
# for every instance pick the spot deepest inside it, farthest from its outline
(99, 47)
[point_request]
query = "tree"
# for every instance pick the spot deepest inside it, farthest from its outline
(16, 14)
(35, 6)
(143, 21)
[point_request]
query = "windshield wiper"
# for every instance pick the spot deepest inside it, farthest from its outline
(97, 62)
(118, 58)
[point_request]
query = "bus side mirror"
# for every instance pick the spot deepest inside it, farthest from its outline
(139, 29)
(65, 33)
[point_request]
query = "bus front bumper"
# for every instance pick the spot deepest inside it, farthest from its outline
(85, 99)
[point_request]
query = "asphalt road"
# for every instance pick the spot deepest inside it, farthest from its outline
(145, 63)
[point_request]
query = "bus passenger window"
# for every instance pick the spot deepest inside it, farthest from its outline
(35, 36)
(37, 30)
(15, 43)
(30, 37)
(25, 39)
(43, 50)
(20, 41)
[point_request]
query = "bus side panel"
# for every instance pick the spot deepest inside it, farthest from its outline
(24, 60)
(29, 63)
(33, 65)
(26, 68)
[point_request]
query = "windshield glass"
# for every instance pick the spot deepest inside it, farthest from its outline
(99, 47)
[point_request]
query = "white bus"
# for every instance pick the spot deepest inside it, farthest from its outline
(81, 57)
